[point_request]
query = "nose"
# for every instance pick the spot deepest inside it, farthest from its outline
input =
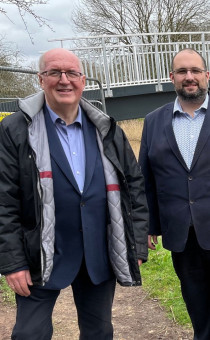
(189, 74)
(64, 79)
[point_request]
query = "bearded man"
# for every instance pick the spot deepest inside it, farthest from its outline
(175, 162)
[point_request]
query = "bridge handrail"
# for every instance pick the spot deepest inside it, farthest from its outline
(127, 35)
(145, 60)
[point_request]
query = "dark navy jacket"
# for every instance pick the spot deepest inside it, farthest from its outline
(177, 196)
(81, 219)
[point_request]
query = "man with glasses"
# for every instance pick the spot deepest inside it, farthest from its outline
(175, 161)
(72, 205)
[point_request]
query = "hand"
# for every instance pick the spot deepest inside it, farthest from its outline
(152, 241)
(19, 282)
(140, 262)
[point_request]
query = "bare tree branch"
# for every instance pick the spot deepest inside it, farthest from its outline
(97, 17)
(26, 6)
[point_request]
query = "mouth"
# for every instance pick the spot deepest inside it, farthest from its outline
(64, 90)
(190, 84)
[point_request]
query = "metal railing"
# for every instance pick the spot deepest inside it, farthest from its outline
(134, 59)
(116, 61)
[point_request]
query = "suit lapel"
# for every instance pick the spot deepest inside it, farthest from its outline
(168, 116)
(57, 152)
(203, 137)
(91, 149)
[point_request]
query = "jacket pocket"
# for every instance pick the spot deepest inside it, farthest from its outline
(32, 247)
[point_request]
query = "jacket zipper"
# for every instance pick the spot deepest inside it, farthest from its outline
(39, 189)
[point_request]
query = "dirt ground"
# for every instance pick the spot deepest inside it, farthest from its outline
(135, 317)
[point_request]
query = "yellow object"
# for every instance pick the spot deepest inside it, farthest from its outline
(4, 114)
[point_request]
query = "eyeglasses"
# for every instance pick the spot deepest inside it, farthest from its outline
(183, 71)
(70, 75)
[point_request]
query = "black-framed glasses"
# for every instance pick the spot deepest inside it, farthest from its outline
(193, 71)
(70, 75)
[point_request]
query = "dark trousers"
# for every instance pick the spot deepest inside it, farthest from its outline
(192, 266)
(93, 303)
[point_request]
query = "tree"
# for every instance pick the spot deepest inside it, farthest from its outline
(26, 6)
(109, 17)
(14, 84)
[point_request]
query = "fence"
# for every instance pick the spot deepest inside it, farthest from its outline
(114, 61)
(18, 83)
(134, 59)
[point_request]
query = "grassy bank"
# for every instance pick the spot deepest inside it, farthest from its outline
(162, 284)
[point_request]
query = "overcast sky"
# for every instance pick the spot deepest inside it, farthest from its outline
(59, 14)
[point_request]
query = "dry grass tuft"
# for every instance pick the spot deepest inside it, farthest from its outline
(133, 130)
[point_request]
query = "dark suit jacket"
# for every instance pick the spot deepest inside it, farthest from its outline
(81, 219)
(177, 196)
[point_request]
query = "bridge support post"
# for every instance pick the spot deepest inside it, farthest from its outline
(108, 92)
(159, 87)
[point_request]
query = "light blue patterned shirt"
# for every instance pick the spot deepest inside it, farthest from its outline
(72, 140)
(187, 129)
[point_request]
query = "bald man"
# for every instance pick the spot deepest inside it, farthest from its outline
(72, 205)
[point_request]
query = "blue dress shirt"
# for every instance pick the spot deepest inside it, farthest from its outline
(187, 129)
(72, 140)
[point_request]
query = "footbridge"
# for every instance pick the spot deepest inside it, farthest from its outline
(134, 69)
(128, 75)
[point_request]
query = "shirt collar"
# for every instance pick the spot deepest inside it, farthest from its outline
(177, 105)
(56, 118)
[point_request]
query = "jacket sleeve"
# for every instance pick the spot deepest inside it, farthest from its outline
(134, 193)
(12, 254)
(150, 186)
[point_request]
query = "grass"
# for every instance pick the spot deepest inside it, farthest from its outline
(159, 280)
(6, 293)
(133, 130)
(162, 284)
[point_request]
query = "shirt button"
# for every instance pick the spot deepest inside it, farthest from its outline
(78, 173)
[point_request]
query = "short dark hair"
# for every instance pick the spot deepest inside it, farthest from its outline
(192, 51)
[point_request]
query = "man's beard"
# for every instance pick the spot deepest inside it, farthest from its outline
(193, 97)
